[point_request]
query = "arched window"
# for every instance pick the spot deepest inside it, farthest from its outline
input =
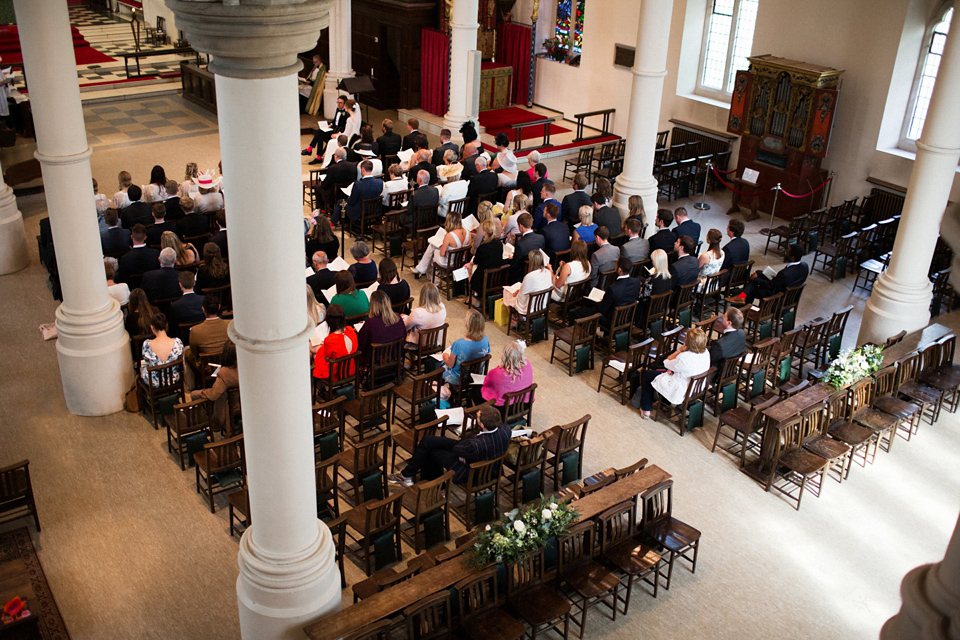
(727, 41)
(926, 77)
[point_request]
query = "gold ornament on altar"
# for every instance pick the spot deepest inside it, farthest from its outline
(449, 12)
(536, 10)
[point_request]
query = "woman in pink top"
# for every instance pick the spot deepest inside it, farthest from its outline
(514, 373)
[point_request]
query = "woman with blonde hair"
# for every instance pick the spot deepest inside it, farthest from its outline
(689, 360)
(513, 374)
(429, 314)
(317, 314)
(455, 238)
(539, 277)
(484, 213)
(517, 207)
(473, 345)
(660, 280)
(587, 227)
(186, 253)
(635, 210)
(189, 185)
(572, 272)
(120, 199)
(383, 326)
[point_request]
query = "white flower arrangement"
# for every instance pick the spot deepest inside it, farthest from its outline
(854, 364)
(519, 532)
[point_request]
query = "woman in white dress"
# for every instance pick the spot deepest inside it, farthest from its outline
(568, 273)
(691, 359)
(505, 163)
(120, 199)
(711, 259)
(539, 277)
(455, 238)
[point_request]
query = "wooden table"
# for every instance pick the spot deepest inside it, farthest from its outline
(754, 200)
(448, 573)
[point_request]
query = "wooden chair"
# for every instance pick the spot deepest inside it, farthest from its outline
(189, 419)
(682, 306)
(238, 503)
(910, 388)
(386, 363)
(536, 308)
(634, 559)
(417, 244)
(373, 521)
(786, 318)
(220, 467)
(367, 465)
(429, 342)
(344, 373)
(408, 439)
(531, 458)
(745, 425)
(572, 298)
(788, 234)
(565, 447)
(883, 425)
(724, 386)
(708, 294)
(540, 607)
(420, 391)
(654, 320)
(403, 306)
(480, 617)
(943, 375)
(166, 380)
(835, 257)
(842, 429)
(16, 494)
(375, 631)
(392, 225)
(460, 394)
(687, 414)
(424, 501)
(329, 428)
(456, 259)
(518, 406)
(371, 213)
(371, 410)
(620, 367)
(759, 322)
(492, 288)
(739, 276)
(458, 206)
(386, 578)
(816, 421)
(583, 333)
(430, 618)
(591, 584)
(674, 537)
(792, 463)
(618, 330)
(482, 487)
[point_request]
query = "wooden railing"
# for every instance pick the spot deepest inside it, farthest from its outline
(604, 128)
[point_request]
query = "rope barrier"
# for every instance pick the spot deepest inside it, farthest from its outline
(724, 172)
(742, 193)
(790, 195)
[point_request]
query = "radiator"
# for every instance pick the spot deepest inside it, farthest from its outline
(708, 143)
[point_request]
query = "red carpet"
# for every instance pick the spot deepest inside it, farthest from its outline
(10, 48)
(499, 121)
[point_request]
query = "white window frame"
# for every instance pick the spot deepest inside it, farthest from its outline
(709, 92)
(906, 143)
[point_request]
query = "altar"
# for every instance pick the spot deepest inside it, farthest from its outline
(496, 85)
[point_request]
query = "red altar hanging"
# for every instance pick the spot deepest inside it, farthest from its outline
(434, 71)
(513, 48)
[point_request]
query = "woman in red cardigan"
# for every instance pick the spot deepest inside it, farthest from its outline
(341, 341)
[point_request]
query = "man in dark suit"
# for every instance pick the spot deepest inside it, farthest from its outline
(160, 224)
(366, 188)
(323, 136)
(556, 234)
(322, 277)
(163, 283)
(423, 164)
(621, 292)
(737, 251)
(570, 209)
(527, 241)
(423, 195)
(733, 341)
(484, 182)
(139, 259)
(220, 237)
(389, 143)
(604, 215)
(192, 224)
(445, 145)
(115, 240)
(340, 172)
(685, 268)
(172, 203)
(136, 212)
(536, 189)
(664, 238)
(189, 307)
(410, 140)
(469, 160)
(686, 226)
(792, 275)
(547, 196)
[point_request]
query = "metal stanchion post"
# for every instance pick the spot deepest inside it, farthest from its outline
(773, 212)
(703, 206)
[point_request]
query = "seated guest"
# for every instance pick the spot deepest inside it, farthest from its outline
(539, 179)
(690, 359)
(158, 350)
(449, 169)
(409, 140)
(140, 258)
(602, 186)
(317, 316)
(188, 308)
(189, 185)
(209, 199)
(118, 291)
(538, 278)
(686, 226)
(335, 144)
(337, 125)
(322, 278)
(660, 280)
(429, 314)
(573, 202)
(572, 272)
(621, 292)
(792, 275)
(186, 253)
(139, 312)
(445, 145)
(524, 187)
(136, 212)
(192, 224)
(587, 228)
(635, 248)
(488, 255)
(227, 378)
(383, 326)
(452, 191)
(422, 158)
(366, 188)
(213, 273)
(171, 202)
(423, 196)
(556, 234)
(219, 237)
(120, 198)
(685, 269)
(341, 341)
(505, 162)
(435, 455)
(473, 345)
(321, 237)
(468, 158)
(364, 143)
(351, 300)
(737, 251)
(733, 341)
(455, 238)
(160, 225)
(115, 240)
(533, 159)
(527, 241)
(339, 174)
(484, 213)
(514, 373)
(664, 238)
(605, 215)
(396, 288)
(395, 184)
(210, 335)
(515, 208)
(711, 259)
(389, 143)
(547, 193)
(635, 210)
(604, 259)
(483, 183)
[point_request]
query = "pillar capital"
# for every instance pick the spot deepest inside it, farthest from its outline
(252, 39)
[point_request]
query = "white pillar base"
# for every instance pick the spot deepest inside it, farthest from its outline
(894, 306)
(13, 240)
(647, 188)
(93, 350)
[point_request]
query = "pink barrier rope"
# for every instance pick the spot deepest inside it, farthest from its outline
(790, 195)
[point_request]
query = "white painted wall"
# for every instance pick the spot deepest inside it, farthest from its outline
(154, 8)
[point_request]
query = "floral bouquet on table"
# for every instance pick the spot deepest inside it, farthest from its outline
(854, 364)
(519, 532)
(554, 48)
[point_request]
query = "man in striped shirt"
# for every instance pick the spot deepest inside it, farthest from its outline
(435, 454)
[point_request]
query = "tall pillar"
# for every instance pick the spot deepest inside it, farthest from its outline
(464, 99)
(931, 600)
(901, 295)
(649, 70)
(288, 575)
(341, 54)
(93, 348)
(13, 240)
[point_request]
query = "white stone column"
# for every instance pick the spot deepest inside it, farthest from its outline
(13, 240)
(931, 600)
(341, 54)
(288, 576)
(92, 346)
(901, 295)
(464, 100)
(649, 69)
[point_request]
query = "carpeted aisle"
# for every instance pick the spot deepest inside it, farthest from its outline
(18, 554)
(11, 54)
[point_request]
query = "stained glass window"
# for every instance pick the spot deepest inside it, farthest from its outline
(570, 24)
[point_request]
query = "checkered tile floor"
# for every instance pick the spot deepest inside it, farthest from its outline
(162, 118)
